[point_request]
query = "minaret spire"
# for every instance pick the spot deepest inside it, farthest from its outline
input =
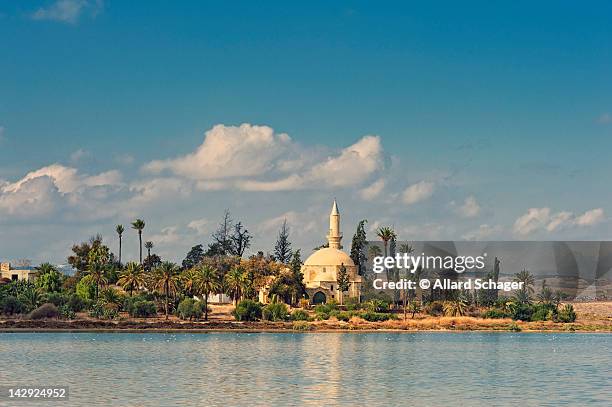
(334, 237)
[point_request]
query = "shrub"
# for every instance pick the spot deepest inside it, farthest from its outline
(304, 303)
(247, 310)
(96, 311)
(435, 309)
(567, 314)
(352, 304)
(76, 303)
(376, 316)
(543, 312)
(275, 312)
(301, 326)
(66, 312)
(86, 289)
(522, 312)
(110, 313)
(56, 299)
(495, 313)
(376, 305)
(11, 305)
(142, 309)
(190, 309)
(299, 315)
(342, 315)
(46, 310)
(514, 327)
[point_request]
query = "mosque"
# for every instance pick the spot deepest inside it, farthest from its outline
(320, 270)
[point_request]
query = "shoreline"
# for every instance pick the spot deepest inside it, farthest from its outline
(446, 325)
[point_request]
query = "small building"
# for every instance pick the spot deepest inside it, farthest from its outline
(16, 273)
(321, 269)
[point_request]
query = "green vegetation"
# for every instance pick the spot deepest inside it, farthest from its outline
(190, 309)
(247, 310)
(276, 311)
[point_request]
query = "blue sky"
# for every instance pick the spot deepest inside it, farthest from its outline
(494, 121)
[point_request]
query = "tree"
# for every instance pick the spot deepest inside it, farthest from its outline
(80, 258)
(132, 278)
(343, 281)
(282, 248)
(525, 277)
(235, 281)
(152, 262)
(206, 281)
(386, 234)
(194, 257)
(148, 245)
(289, 284)
(49, 279)
(119, 229)
(222, 237)
(165, 281)
(139, 225)
(241, 240)
(358, 247)
(96, 272)
(374, 251)
(455, 308)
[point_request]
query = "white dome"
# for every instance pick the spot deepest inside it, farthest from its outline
(329, 257)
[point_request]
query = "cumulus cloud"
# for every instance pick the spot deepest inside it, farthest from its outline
(51, 188)
(373, 190)
(256, 158)
(228, 152)
(418, 192)
(589, 218)
(68, 11)
(470, 208)
(542, 219)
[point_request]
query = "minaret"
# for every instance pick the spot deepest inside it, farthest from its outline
(334, 237)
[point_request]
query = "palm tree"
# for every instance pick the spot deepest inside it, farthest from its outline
(139, 225)
(95, 271)
(386, 234)
(206, 281)
(148, 245)
(234, 282)
(119, 229)
(132, 278)
(165, 280)
(454, 308)
(46, 268)
(526, 278)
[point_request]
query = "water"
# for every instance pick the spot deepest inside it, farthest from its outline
(379, 369)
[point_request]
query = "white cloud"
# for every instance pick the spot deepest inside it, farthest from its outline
(589, 218)
(373, 190)
(201, 226)
(470, 208)
(541, 219)
(159, 189)
(534, 219)
(68, 11)
(50, 190)
(67, 179)
(256, 158)
(559, 220)
(483, 232)
(229, 152)
(418, 192)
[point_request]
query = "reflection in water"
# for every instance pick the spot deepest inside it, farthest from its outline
(467, 369)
